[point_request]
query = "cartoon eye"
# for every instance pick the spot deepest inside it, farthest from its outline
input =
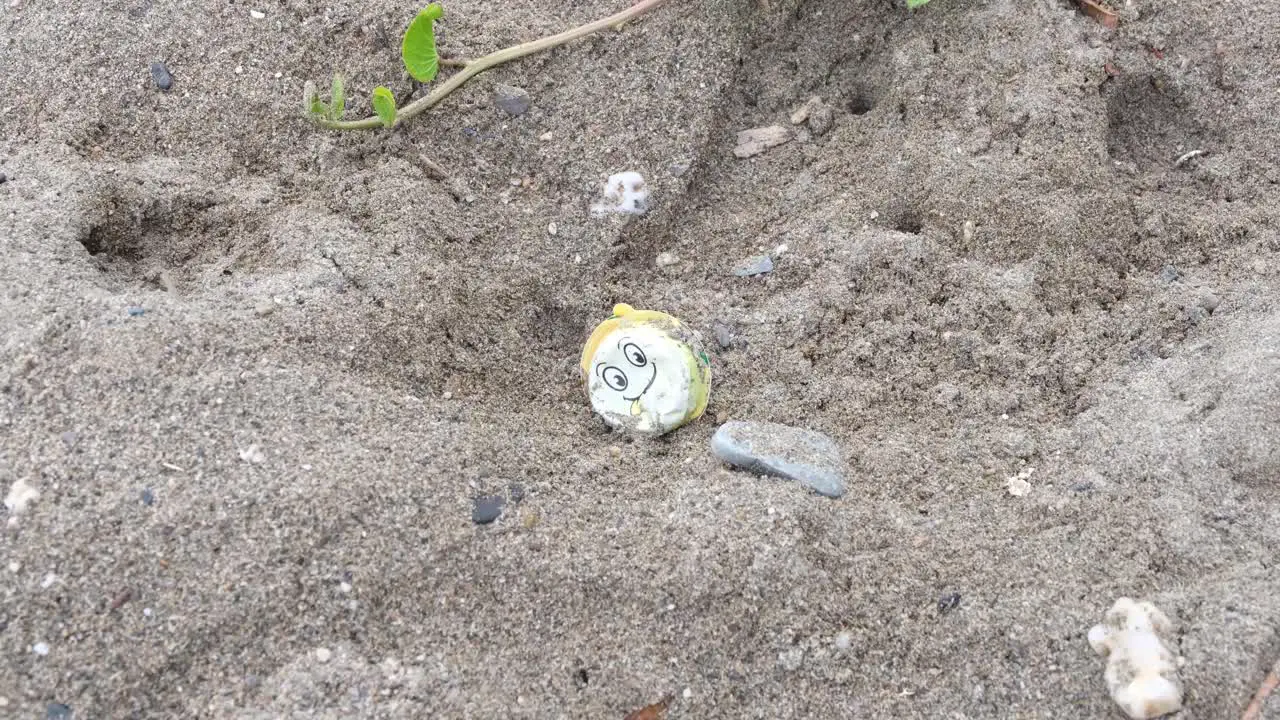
(614, 378)
(635, 355)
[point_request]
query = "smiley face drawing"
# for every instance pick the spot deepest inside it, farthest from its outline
(645, 372)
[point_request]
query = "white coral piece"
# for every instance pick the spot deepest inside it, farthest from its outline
(1141, 670)
(625, 193)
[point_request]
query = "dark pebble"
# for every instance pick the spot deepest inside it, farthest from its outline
(58, 711)
(485, 510)
(160, 76)
(136, 311)
(512, 100)
(3, 178)
(516, 492)
(148, 497)
(947, 603)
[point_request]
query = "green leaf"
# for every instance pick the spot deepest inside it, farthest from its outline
(337, 99)
(913, 4)
(419, 46)
(384, 103)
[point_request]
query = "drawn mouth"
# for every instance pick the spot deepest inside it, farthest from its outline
(646, 387)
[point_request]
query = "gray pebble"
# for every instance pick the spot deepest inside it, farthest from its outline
(1169, 274)
(135, 311)
(3, 178)
(810, 458)
(160, 76)
(758, 265)
(512, 100)
(58, 711)
(148, 497)
(724, 336)
(516, 492)
(485, 510)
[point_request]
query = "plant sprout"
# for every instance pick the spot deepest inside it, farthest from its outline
(422, 60)
(913, 4)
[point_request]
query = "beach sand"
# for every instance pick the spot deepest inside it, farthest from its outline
(258, 372)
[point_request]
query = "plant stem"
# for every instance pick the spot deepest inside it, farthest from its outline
(492, 60)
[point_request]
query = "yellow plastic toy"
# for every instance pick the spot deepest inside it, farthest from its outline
(646, 372)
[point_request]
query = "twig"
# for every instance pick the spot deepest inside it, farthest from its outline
(1269, 684)
(1186, 157)
(492, 60)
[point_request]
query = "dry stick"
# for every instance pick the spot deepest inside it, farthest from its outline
(479, 65)
(1254, 711)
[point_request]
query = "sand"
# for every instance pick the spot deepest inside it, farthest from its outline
(258, 372)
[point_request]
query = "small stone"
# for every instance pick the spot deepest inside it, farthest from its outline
(257, 14)
(758, 265)
(4, 702)
(1169, 274)
(160, 76)
(135, 311)
(688, 693)
(723, 335)
(148, 497)
(948, 602)
(485, 510)
(756, 140)
(516, 492)
(15, 566)
(323, 654)
(512, 100)
(3, 178)
(801, 113)
(20, 496)
(810, 458)
(252, 454)
(678, 169)
(546, 136)
(40, 649)
(48, 581)
(58, 711)
(968, 230)
(844, 640)
(264, 308)
(69, 437)
(552, 229)
(821, 119)
(667, 259)
(1018, 485)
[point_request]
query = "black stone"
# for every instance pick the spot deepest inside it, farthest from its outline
(160, 76)
(485, 510)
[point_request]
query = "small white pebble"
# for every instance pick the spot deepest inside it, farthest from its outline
(688, 693)
(345, 587)
(667, 259)
(671, 607)
(552, 229)
(279, 75)
(146, 611)
(781, 249)
(257, 14)
(40, 649)
(48, 581)
(4, 702)
(15, 566)
(323, 654)
(546, 136)
(844, 640)
(239, 69)
(447, 395)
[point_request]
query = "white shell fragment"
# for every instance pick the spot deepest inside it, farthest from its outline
(20, 495)
(1142, 673)
(625, 193)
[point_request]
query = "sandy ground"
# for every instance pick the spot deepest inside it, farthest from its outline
(258, 372)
